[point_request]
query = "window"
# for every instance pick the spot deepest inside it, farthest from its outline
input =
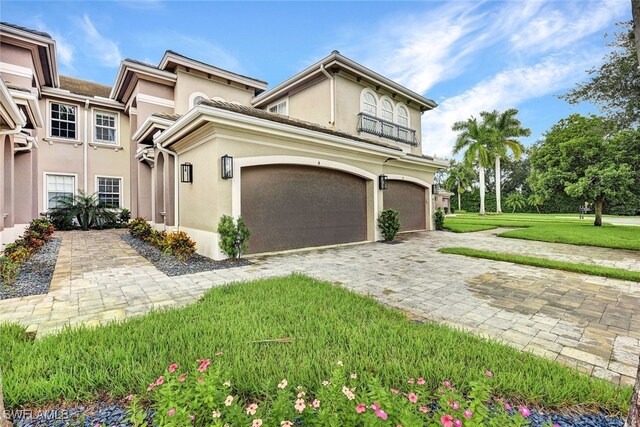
(403, 116)
(369, 104)
(109, 191)
(63, 121)
(59, 186)
(387, 110)
(105, 127)
(279, 108)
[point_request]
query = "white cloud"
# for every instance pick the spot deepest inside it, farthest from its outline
(103, 49)
(504, 90)
(63, 47)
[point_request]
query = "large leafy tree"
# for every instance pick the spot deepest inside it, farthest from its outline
(506, 129)
(459, 179)
(474, 138)
(584, 157)
(615, 85)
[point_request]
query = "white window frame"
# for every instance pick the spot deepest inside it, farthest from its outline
(97, 187)
(401, 105)
(49, 120)
(116, 143)
(362, 98)
(194, 96)
(276, 104)
(45, 192)
(381, 110)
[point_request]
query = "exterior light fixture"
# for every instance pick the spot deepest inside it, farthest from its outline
(383, 183)
(434, 189)
(227, 166)
(186, 172)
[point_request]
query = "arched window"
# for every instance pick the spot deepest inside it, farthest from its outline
(403, 116)
(369, 104)
(387, 110)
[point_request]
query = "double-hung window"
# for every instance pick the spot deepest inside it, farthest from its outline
(279, 108)
(64, 119)
(109, 191)
(105, 127)
(59, 187)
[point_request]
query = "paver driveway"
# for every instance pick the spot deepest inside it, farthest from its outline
(589, 322)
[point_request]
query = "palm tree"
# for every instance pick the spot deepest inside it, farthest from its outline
(475, 138)
(506, 129)
(86, 209)
(459, 179)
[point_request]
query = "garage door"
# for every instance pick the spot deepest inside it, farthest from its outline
(289, 206)
(409, 200)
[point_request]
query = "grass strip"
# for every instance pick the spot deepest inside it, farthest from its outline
(593, 270)
(292, 327)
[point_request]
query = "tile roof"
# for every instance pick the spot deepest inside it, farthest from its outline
(29, 30)
(146, 64)
(84, 87)
(167, 116)
(263, 114)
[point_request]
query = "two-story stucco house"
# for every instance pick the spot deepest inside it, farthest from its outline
(309, 162)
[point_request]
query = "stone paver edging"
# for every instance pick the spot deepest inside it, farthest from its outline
(589, 322)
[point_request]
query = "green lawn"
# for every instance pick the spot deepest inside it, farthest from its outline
(550, 228)
(594, 270)
(325, 323)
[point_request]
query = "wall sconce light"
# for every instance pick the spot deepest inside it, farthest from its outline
(434, 189)
(186, 172)
(383, 182)
(227, 166)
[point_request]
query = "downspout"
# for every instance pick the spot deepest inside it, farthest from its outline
(176, 183)
(333, 93)
(85, 149)
(28, 147)
(18, 129)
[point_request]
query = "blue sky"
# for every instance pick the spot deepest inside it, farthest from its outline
(467, 56)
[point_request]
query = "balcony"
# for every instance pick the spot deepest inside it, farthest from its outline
(386, 129)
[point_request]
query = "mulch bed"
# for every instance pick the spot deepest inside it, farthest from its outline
(35, 273)
(172, 266)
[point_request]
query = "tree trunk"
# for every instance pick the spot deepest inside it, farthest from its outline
(599, 203)
(459, 208)
(633, 420)
(635, 10)
(498, 204)
(481, 174)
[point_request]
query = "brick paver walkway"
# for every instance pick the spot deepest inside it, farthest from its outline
(585, 321)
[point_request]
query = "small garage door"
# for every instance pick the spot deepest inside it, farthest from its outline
(409, 200)
(290, 206)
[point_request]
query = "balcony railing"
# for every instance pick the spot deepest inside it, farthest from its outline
(386, 129)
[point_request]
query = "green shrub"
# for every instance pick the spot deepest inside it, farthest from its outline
(438, 219)
(452, 209)
(234, 237)
(85, 209)
(43, 227)
(157, 238)
(389, 223)
(8, 270)
(140, 228)
(124, 216)
(179, 244)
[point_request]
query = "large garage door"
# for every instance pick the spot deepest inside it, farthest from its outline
(409, 200)
(289, 206)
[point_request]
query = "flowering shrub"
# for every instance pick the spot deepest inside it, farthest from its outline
(205, 397)
(179, 244)
(36, 235)
(140, 228)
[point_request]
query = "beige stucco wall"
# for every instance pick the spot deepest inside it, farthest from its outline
(193, 81)
(313, 103)
(17, 56)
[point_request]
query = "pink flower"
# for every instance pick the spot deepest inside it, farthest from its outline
(447, 384)
(193, 417)
(507, 406)
(300, 405)
(424, 409)
(200, 379)
(151, 386)
(228, 401)
(361, 408)
(216, 414)
(173, 367)
(203, 366)
(182, 378)
(283, 384)
(455, 406)
(251, 409)
(488, 373)
(286, 424)
(256, 423)
(315, 404)
(395, 391)
(457, 423)
(525, 411)
(420, 381)
(468, 414)
(301, 394)
(129, 398)
(171, 412)
(381, 414)
(348, 393)
(446, 420)
(413, 398)
(160, 380)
